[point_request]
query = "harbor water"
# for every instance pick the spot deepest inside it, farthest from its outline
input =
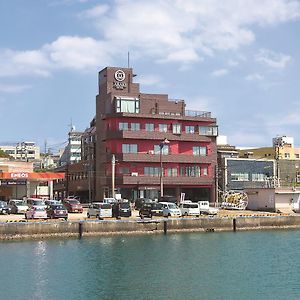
(227, 265)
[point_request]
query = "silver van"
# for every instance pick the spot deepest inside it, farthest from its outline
(100, 210)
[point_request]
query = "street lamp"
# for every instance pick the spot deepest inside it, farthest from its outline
(161, 146)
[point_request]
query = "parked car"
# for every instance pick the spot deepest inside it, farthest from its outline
(206, 209)
(73, 205)
(57, 211)
(17, 206)
(36, 212)
(108, 200)
(4, 208)
(33, 202)
(52, 202)
(151, 209)
(124, 209)
(170, 209)
(189, 208)
(100, 210)
(138, 203)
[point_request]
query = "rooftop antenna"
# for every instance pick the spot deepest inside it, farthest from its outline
(128, 59)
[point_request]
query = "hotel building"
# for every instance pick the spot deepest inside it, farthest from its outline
(147, 144)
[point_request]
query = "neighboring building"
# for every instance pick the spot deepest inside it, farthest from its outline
(72, 152)
(287, 159)
(17, 180)
(272, 199)
(241, 173)
(23, 151)
(138, 135)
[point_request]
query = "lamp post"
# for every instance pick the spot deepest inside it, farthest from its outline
(113, 165)
(161, 146)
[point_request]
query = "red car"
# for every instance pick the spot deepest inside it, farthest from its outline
(73, 206)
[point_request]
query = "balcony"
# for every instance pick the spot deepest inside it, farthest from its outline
(168, 181)
(155, 158)
(157, 135)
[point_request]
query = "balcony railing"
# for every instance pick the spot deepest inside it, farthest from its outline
(195, 113)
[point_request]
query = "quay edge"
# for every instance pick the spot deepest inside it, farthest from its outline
(41, 230)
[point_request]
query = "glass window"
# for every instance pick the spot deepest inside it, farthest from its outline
(298, 176)
(176, 128)
(205, 171)
(190, 129)
(208, 130)
(149, 127)
(200, 150)
(124, 170)
(128, 105)
(296, 155)
(164, 150)
(258, 177)
(123, 126)
(129, 148)
(163, 127)
(135, 126)
(239, 177)
(172, 172)
(152, 171)
(286, 155)
(190, 171)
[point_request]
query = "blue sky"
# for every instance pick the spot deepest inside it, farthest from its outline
(238, 59)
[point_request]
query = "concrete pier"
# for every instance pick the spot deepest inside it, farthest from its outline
(38, 230)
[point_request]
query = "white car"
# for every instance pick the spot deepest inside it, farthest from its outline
(170, 209)
(100, 210)
(206, 209)
(189, 209)
(17, 206)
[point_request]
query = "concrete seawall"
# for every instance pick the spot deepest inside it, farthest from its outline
(31, 230)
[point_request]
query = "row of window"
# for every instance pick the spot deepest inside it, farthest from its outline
(176, 128)
(246, 177)
(133, 148)
(189, 171)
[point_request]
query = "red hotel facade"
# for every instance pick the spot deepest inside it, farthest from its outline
(130, 127)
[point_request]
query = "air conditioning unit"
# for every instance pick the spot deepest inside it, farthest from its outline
(151, 151)
(134, 174)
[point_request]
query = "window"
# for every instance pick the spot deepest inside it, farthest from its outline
(190, 171)
(123, 126)
(189, 129)
(164, 150)
(200, 150)
(297, 155)
(172, 172)
(128, 105)
(135, 126)
(286, 155)
(239, 177)
(124, 170)
(298, 176)
(176, 128)
(205, 171)
(129, 148)
(152, 171)
(208, 130)
(163, 127)
(149, 127)
(258, 177)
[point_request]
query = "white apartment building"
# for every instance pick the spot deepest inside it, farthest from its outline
(72, 152)
(23, 151)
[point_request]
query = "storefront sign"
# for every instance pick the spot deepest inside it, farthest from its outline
(19, 175)
(12, 182)
(119, 85)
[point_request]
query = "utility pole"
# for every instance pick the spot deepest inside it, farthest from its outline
(113, 166)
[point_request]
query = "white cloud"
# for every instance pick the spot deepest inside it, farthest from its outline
(6, 88)
(184, 31)
(273, 59)
(219, 73)
(95, 12)
(254, 77)
(150, 80)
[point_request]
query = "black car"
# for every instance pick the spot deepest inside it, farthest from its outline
(57, 211)
(122, 209)
(146, 210)
(140, 201)
(4, 208)
(156, 209)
